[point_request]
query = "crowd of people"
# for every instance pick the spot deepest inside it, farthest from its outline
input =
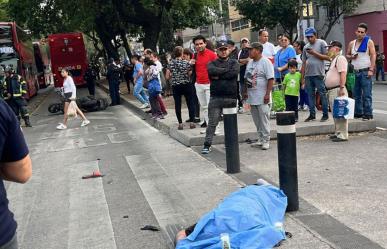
(310, 75)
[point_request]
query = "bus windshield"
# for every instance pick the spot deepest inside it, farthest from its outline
(8, 55)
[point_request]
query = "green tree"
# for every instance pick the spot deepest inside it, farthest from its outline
(263, 13)
(336, 10)
(111, 20)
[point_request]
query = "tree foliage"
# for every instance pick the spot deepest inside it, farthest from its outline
(270, 13)
(110, 20)
(335, 10)
(264, 13)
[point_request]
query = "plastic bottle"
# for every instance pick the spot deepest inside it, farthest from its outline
(225, 238)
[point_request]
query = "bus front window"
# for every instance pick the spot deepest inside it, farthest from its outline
(8, 55)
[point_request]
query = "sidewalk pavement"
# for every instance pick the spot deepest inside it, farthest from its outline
(341, 186)
(246, 127)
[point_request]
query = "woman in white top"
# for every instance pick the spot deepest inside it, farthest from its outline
(70, 94)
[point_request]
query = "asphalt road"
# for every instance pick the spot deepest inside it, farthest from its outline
(150, 179)
(380, 104)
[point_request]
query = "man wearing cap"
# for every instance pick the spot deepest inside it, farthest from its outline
(313, 71)
(243, 59)
(362, 54)
(335, 83)
(259, 83)
(223, 73)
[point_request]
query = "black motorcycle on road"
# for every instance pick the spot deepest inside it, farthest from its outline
(86, 104)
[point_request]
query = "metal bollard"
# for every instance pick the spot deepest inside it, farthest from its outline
(230, 121)
(287, 157)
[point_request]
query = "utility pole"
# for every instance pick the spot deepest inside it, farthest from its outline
(307, 12)
(301, 6)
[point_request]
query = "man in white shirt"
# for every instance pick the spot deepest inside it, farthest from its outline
(268, 47)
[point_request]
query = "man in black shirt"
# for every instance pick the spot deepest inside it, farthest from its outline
(243, 59)
(15, 166)
(223, 74)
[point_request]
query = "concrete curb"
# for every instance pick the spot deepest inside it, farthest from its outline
(317, 129)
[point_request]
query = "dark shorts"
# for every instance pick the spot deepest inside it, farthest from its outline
(67, 97)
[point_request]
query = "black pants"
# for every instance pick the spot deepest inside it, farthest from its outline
(185, 90)
(91, 87)
(114, 87)
(155, 105)
(128, 80)
(195, 101)
(292, 104)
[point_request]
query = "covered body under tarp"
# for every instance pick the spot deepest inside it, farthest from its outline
(252, 217)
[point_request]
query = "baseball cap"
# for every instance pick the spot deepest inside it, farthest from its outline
(335, 44)
(256, 45)
(310, 31)
(230, 42)
(245, 39)
(221, 44)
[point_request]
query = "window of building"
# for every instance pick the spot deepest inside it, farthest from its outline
(239, 24)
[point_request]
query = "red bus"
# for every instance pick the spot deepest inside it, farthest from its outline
(68, 51)
(16, 51)
(42, 60)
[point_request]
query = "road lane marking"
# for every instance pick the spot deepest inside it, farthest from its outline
(380, 112)
(90, 225)
(121, 137)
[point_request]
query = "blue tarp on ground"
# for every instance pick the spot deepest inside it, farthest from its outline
(252, 217)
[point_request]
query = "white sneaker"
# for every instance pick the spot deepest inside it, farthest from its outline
(144, 106)
(61, 127)
(257, 144)
(203, 131)
(265, 146)
(85, 122)
(305, 108)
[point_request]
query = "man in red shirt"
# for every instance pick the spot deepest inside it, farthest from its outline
(202, 84)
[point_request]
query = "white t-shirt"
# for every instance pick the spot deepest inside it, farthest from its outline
(159, 67)
(69, 87)
(268, 50)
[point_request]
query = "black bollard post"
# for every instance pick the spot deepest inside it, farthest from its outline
(287, 157)
(230, 121)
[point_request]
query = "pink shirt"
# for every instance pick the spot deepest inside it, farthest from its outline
(338, 65)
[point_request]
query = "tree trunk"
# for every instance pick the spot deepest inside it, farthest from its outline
(125, 43)
(105, 38)
(151, 34)
(167, 39)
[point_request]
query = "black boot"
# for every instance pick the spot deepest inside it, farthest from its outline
(27, 121)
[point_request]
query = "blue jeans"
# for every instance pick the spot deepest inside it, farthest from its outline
(313, 82)
(379, 69)
(304, 98)
(139, 93)
(362, 93)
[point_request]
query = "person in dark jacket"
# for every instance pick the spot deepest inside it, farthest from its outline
(89, 77)
(14, 90)
(113, 76)
(223, 74)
